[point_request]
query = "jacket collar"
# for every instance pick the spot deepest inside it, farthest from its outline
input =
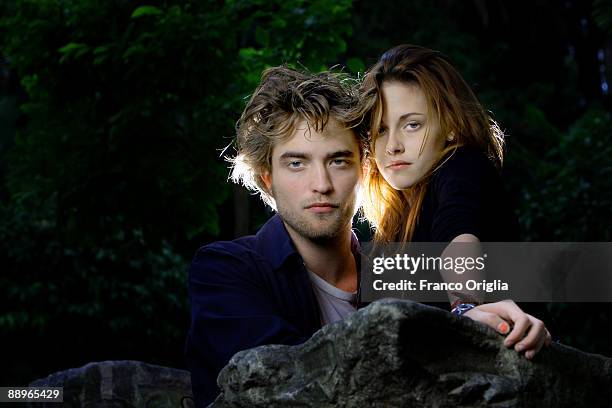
(274, 242)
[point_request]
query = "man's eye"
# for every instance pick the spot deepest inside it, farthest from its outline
(294, 164)
(340, 162)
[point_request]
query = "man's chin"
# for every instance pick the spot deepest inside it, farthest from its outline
(317, 227)
(325, 229)
(324, 236)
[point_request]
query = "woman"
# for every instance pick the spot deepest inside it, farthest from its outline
(433, 170)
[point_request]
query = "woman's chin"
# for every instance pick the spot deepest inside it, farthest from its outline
(400, 184)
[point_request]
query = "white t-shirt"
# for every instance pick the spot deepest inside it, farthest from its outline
(335, 304)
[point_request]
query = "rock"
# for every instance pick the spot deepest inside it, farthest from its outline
(399, 353)
(114, 384)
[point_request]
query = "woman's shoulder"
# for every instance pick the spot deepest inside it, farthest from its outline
(467, 196)
(468, 158)
(466, 163)
(468, 172)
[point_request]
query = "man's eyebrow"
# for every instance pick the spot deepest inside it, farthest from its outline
(294, 155)
(340, 153)
(302, 155)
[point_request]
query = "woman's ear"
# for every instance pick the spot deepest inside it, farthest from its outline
(450, 137)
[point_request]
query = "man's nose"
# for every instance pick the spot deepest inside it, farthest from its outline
(394, 145)
(321, 180)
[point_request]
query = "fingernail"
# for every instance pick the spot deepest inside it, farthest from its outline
(503, 327)
(519, 347)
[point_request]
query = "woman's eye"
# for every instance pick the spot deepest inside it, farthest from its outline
(412, 126)
(295, 164)
(382, 131)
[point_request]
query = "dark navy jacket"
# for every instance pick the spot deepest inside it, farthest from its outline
(245, 293)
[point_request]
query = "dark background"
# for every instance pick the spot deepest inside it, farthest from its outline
(114, 116)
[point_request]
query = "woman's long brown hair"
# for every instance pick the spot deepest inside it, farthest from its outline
(394, 213)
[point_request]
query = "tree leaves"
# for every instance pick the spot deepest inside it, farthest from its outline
(146, 11)
(72, 51)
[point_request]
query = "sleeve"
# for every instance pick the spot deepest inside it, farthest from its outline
(231, 310)
(461, 189)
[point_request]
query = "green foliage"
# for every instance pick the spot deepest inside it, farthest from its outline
(107, 130)
(602, 13)
(146, 11)
(308, 34)
(571, 193)
(383, 24)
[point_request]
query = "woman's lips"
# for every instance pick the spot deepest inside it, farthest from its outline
(398, 165)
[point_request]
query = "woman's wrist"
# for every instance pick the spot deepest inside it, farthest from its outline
(462, 308)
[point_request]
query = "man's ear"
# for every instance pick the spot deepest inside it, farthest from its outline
(266, 177)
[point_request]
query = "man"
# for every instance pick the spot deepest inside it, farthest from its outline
(297, 149)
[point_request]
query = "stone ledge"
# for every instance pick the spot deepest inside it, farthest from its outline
(399, 353)
(110, 384)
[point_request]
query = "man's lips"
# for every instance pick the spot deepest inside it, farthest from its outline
(398, 164)
(321, 207)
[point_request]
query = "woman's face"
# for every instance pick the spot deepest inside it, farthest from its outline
(405, 122)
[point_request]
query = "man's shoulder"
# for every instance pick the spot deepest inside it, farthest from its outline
(240, 252)
(239, 246)
(265, 251)
(228, 264)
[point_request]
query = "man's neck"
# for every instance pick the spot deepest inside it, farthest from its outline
(331, 259)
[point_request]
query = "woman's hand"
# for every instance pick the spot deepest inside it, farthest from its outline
(524, 332)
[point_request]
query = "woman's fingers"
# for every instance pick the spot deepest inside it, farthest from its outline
(503, 327)
(536, 338)
(490, 319)
(524, 332)
(521, 326)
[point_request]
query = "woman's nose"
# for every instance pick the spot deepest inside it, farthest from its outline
(394, 146)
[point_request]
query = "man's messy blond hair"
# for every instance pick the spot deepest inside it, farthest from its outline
(282, 100)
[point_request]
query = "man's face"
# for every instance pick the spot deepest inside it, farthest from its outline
(315, 180)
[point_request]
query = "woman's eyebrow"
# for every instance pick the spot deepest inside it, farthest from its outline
(407, 115)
